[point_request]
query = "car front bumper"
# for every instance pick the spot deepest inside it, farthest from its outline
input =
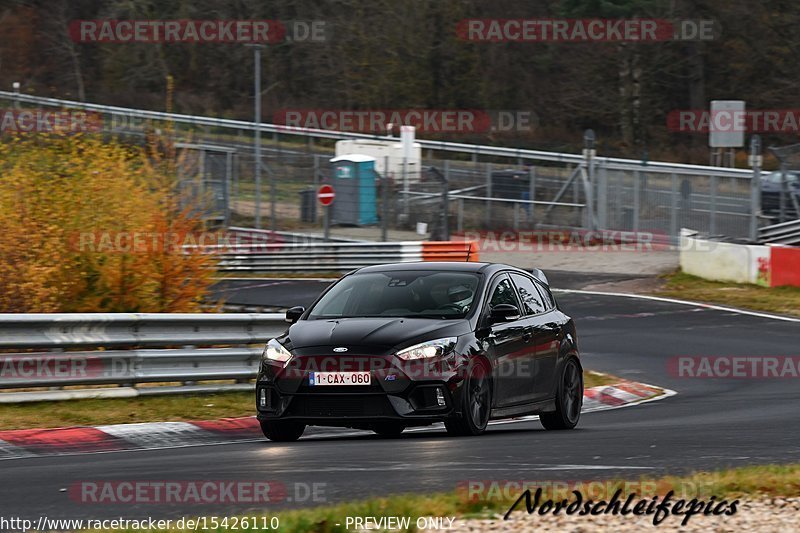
(416, 393)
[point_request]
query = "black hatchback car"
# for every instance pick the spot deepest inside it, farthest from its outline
(410, 344)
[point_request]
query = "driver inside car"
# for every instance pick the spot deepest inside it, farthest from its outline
(461, 296)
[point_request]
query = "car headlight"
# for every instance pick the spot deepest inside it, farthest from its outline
(274, 351)
(426, 350)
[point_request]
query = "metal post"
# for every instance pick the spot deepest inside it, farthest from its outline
(782, 207)
(201, 165)
(385, 200)
(488, 210)
(712, 206)
(446, 201)
(15, 86)
(588, 154)
(315, 186)
(637, 185)
(576, 199)
(228, 177)
(327, 221)
(531, 194)
(315, 181)
(673, 217)
(236, 164)
(755, 186)
(257, 147)
(460, 216)
(602, 198)
(405, 188)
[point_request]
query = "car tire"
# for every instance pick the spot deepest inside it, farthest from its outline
(476, 403)
(388, 429)
(282, 430)
(569, 398)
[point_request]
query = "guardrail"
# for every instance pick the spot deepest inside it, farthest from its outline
(611, 163)
(127, 350)
(337, 257)
(784, 233)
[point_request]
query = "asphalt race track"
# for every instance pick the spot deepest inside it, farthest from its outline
(710, 423)
(287, 292)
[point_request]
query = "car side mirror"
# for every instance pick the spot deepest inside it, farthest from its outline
(294, 314)
(503, 313)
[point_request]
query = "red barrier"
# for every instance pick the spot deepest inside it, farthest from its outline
(785, 266)
(450, 251)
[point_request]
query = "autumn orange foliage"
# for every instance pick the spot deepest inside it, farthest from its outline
(56, 188)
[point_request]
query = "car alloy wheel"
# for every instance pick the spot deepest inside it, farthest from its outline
(569, 399)
(476, 403)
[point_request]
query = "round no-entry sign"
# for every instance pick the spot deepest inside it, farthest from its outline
(325, 195)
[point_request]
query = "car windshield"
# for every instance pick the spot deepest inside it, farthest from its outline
(775, 177)
(407, 294)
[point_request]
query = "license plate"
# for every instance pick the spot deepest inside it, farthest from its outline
(339, 378)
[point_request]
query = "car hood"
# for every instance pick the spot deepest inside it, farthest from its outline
(369, 335)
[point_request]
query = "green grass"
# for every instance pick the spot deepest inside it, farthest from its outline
(170, 408)
(782, 300)
(751, 481)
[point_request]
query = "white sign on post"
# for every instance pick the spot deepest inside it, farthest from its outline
(727, 124)
(407, 141)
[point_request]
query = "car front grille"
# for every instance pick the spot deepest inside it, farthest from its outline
(335, 406)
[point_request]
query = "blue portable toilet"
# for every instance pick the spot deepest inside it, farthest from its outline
(354, 182)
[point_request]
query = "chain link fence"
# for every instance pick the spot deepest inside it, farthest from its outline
(457, 188)
(451, 197)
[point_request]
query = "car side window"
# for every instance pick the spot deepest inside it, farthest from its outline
(528, 295)
(503, 293)
(547, 295)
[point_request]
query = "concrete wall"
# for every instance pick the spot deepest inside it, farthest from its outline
(769, 266)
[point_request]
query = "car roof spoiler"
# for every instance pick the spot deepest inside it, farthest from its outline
(538, 274)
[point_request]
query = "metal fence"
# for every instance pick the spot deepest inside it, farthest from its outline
(134, 353)
(461, 187)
